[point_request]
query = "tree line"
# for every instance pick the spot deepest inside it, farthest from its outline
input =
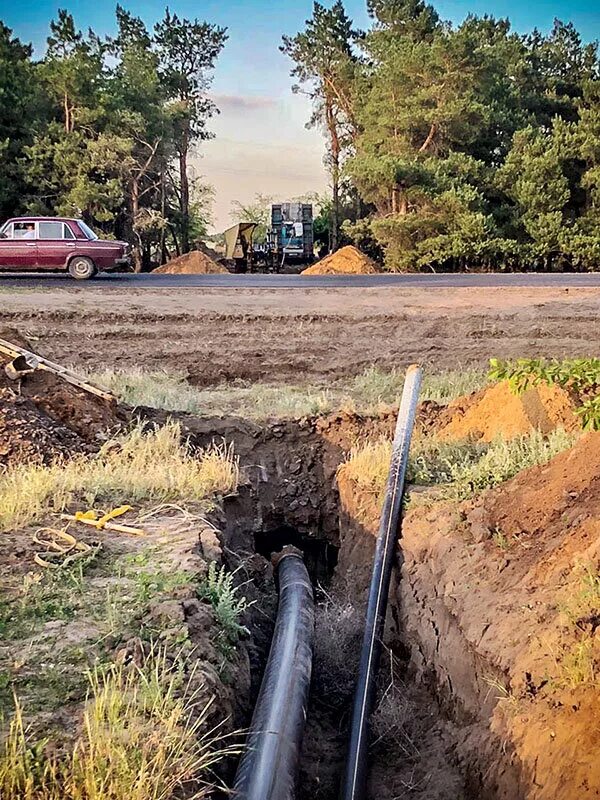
(455, 147)
(103, 128)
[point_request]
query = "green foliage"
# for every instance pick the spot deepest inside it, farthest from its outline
(219, 590)
(471, 146)
(101, 128)
(581, 376)
(504, 459)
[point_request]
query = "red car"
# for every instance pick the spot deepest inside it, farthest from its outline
(54, 243)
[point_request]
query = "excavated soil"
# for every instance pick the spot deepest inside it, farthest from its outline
(498, 411)
(44, 418)
(192, 263)
(346, 261)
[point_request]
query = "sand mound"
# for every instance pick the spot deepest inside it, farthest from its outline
(497, 411)
(347, 261)
(192, 263)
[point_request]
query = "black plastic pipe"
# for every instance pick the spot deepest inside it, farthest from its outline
(355, 778)
(269, 766)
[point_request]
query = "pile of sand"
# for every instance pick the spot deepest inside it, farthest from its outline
(496, 411)
(192, 263)
(347, 261)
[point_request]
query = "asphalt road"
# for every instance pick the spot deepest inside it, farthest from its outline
(148, 281)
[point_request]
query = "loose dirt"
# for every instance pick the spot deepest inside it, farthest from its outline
(192, 263)
(346, 261)
(498, 411)
(43, 418)
(315, 335)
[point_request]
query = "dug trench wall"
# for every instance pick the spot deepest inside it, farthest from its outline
(497, 603)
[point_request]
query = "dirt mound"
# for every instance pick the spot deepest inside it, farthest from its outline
(43, 417)
(547, 496)
(27, 435)
(347, 261)
(192, 263)
(496, 411)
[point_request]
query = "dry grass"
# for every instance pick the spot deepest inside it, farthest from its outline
(143, 737)
(338, 634)
(385, 386)
(366, 392)
(153, 465)
(464, 468)
(368, 466)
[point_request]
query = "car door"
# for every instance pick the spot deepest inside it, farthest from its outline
(18, 247)
(54, 244)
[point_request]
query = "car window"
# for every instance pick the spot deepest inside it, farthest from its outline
(68, 233)
(7, 231)
(23, 230)
(51, 230)
(87, 231)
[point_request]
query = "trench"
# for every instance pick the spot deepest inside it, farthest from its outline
(289, 496)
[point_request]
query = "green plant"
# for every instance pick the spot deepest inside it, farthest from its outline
(580, 376)
(504, 459)
(219, 590)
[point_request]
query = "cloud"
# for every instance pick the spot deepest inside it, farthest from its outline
(239, 102)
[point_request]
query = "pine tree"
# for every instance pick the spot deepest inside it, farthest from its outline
(325, 67)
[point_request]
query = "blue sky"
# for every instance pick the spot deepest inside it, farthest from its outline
(262, 144)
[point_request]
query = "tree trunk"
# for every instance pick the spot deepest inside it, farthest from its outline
(335, 208)
(399, 200)
(335, 173)
(135, 209)
(184, 198)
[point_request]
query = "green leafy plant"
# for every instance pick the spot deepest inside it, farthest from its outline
(579, 376)
(219, 590)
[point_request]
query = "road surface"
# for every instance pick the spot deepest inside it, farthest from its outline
(479, 281)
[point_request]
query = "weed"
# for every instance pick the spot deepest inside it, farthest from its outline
(503, 459)
(465, 468)
(172, 392)
(378, 386)
(142, 465)
(500, 540)
(577, 665)
(219, 590)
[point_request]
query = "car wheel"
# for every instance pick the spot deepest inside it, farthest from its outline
(82, 268)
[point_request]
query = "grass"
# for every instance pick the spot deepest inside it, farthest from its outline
(464, 468)
(144, 736)
(381, 386)
(143, 465)
(366, 392)
(581, 608)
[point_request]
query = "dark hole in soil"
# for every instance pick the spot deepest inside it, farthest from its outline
(320, 556)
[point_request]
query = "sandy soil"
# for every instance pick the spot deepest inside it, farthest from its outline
(222, 334)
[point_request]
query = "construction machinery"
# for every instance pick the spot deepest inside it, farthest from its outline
(291, 236)
(239, 245)
(289, 240)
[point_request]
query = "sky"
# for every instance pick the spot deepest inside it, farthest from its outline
(261, 143)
